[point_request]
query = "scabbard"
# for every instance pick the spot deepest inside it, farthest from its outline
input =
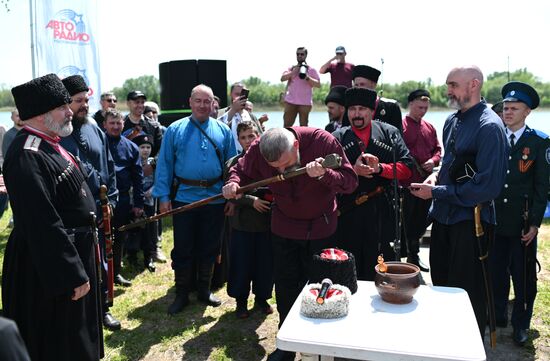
(93, 226)
(362, 198)
(483, 258)
(107, 232)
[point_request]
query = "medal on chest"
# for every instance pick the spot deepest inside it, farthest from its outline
(524, 164)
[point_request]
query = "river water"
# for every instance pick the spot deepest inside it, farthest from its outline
(538, 119)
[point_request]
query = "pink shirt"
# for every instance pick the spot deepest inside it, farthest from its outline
(299, 91)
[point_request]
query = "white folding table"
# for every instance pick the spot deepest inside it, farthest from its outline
(439, 324)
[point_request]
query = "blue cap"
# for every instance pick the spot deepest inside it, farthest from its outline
(340, 50)
(516, 91)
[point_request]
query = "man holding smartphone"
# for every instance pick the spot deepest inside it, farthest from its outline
(474, 130)
(236, 113)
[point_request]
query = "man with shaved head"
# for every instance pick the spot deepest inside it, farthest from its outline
(193, 153)
(473, 172)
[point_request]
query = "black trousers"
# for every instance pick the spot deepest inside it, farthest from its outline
(197, 235)
(506, 259)
(292, 261)
(366, 231)
(143, 238)
(415, 222)
(454, 262)
(251, 262)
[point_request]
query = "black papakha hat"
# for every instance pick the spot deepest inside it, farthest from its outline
(516, 91)
(39, 96)
(498, 107)
(75, 84)
(143, 139)
(361, 96)
(367, 72)
(418, 94)
(337, 94)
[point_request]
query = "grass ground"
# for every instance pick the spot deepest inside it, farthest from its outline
(207, 333)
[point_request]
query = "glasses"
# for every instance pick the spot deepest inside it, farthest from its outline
(111, 100)
(300, 54)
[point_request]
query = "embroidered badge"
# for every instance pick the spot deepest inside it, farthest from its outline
(32, 143)
(383, 112)
(548, 155)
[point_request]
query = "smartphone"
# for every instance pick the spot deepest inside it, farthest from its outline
(244, 93)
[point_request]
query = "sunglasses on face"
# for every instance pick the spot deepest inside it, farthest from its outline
(111, 100)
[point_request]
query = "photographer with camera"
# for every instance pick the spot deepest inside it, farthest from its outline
(236, 112)
(298, 98)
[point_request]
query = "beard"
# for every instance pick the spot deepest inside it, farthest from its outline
(453, 103)
(79, 120)
(456, 103)
(64, 129)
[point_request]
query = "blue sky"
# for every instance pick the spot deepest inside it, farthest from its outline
(417, 39)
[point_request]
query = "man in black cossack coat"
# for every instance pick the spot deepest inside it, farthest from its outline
(385, 110)
(49, 277)
(366, 230)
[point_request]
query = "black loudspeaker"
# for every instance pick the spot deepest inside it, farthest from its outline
(179, 77)
(214, 74)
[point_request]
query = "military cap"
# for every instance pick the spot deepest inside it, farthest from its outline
(337, 94)
(367, 72)
(516, 91)
(39, 96)
(135, 94)
(75, 84)
(418, 94)
(143, 139)
(361, 96)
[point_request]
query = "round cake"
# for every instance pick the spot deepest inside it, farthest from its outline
(335, 305)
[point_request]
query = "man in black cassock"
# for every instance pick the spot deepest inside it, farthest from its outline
(49, 281)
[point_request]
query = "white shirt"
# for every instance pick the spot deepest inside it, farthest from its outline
(233, 123)
(517, 134)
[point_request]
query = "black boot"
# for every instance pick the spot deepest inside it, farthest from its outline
(149, 264)
(110, 322)
(183, 279)
(203, 285)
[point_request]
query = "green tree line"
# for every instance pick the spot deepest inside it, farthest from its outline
(265, 94)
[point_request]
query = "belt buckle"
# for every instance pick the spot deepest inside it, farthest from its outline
(203, 183)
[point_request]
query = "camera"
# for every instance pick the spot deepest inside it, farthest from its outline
(303, 70)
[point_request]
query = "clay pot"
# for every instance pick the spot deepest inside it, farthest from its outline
(399, 284)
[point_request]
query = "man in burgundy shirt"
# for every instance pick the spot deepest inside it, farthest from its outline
(421, 139)
(366, 230)
(304, 216)
(340, 71)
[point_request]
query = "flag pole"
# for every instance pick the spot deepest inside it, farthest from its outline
(31, 7)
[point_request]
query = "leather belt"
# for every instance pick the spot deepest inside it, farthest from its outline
(83, 229)
(203, 183)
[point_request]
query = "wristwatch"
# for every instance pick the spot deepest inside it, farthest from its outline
(380, 169)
